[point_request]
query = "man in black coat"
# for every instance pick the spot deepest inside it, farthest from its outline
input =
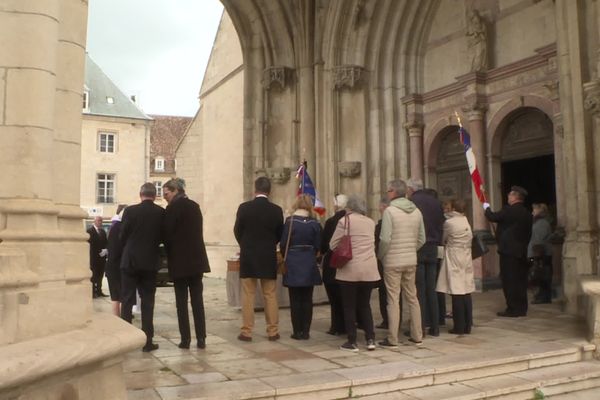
(258, 227)
(141, 235)
(98, 241)
(187, 259)
(426, 277)
(512, 234)
(332, 288)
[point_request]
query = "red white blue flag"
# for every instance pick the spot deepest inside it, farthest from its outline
(306, 187)
(465, 139)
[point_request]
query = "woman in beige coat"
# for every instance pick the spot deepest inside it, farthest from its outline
(456, 275)
(360, 275)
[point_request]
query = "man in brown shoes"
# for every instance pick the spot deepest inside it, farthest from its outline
(257, 229)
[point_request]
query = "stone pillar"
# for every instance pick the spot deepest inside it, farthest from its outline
(476, 116)
(415, 134)
(306, 88)
(47, 325)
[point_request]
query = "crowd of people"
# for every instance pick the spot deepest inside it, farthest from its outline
(416, 254)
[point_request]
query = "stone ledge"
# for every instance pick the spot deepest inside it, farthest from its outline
(104, 337)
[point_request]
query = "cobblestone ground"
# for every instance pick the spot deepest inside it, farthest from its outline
(171, 373)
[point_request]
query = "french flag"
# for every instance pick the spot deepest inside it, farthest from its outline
(306, 187)
(465, 139)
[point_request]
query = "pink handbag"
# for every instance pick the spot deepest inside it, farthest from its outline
(343, 251)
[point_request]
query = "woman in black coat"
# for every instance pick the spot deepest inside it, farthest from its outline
(299, 244)
(187, 259)
(113, 264)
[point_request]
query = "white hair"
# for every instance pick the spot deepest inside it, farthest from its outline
(415, 184)
(340, 201)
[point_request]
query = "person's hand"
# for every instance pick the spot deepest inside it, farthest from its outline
(103, 253)
(486, 206)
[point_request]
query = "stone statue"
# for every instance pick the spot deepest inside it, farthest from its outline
(477, 41)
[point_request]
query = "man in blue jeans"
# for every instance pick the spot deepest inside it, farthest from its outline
(426, 277)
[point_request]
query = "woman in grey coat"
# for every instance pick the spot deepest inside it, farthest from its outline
(539, 252)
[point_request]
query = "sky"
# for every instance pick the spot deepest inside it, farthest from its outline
(154, 49)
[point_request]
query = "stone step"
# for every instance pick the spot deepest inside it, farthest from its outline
(514, 371)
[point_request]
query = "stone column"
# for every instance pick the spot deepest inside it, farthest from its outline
(47, 325)
(476, 116)
(415, 134)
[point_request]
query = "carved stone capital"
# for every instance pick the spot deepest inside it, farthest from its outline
(277, 77)
(415, 128)
(347, 76)
(592, 97)
(475, 112)
(552, 88)
(349, 169)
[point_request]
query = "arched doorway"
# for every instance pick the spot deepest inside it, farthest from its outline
(527, 155)
(453, 179)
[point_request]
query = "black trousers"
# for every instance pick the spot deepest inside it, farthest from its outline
(335, 303)
(426, 279)
(193, 285)
(97, 276)
(513, 274)
(145, 283)
(301, 308)
(356, 297)
(441, 299)
(545, 290)
(462, 313)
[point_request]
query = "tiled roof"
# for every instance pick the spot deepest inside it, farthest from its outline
(102, 89)
(166, 132)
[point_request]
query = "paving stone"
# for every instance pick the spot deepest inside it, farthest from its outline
(310, 365)
(152, 379)
(230, 390)
(205, 377)
(253, 367)
(184, 364)
(287, 355)
(144, 394)
(498, 385)
(306, 382)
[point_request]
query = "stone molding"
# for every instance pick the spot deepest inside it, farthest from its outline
(277, 77)
(475, 112)
(349, 169)
(348, 76)
(415, 128)
(279, 175)
(592, 97)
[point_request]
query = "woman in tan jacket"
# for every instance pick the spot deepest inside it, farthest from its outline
(456, 275)
(360, 275)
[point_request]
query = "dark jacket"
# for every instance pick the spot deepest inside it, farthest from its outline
(141, 235)
(184, 240)
(97, 241)
(514, 229)
(328, 230)
(257, 229)
(115, 250)
(433, 219)
(301, 259)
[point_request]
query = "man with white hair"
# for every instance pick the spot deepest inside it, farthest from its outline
(332, 288)
(427, 263)
(402, 234)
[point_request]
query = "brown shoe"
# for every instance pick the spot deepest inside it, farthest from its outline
(274, 337)
(244, 338)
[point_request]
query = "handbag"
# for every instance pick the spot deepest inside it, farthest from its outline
(281, 267)
(478, 247)
(343, 251)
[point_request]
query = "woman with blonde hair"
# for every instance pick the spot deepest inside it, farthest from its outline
(300, 241)
(456, 275)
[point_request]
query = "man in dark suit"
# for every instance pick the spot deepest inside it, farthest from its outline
(98, 241)
(257, 229)
(187, 259)
(141, 235)
(512, 234)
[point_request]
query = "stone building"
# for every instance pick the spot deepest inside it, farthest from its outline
(364, 90)
(165, 135)
(115, 145)
(371, 90)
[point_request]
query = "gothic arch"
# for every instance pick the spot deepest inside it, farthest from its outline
(498, 122)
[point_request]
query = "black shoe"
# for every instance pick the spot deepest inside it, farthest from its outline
(149, 347)
(296, 336)
(244, 338)
(349, 347)
(184, 345)
(541, 301)
(433, 332)
(274, 338)
(509, 314)
(332, 332)
(455, 332)
(382, 325)
(201, 343)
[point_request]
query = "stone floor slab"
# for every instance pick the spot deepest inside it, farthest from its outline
(230, 390)
(204, 377)
(252, 367)
(310, 365)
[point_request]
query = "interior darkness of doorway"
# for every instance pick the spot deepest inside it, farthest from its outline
(536, 175)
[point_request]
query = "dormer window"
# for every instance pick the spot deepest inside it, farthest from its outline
(159, 164)
(86, 99)
(110, 100)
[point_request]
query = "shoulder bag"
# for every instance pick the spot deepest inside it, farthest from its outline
(343, 251)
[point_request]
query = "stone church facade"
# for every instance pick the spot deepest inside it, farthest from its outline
(369, 91)
(364, 90)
